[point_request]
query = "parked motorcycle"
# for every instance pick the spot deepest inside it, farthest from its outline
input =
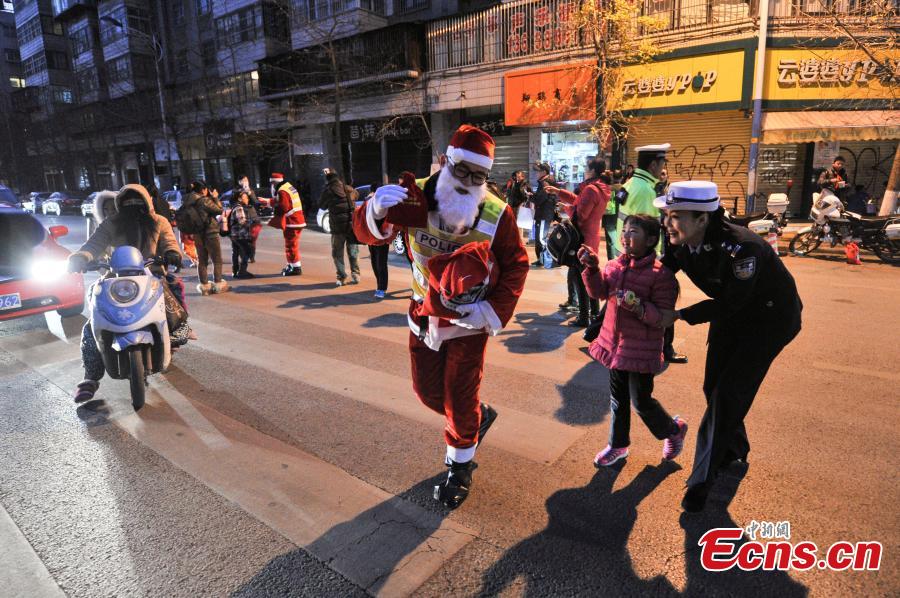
(773, 220)
(833, 224)
(128, 318)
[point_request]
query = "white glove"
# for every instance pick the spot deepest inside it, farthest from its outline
(386, 197)
(474, 318)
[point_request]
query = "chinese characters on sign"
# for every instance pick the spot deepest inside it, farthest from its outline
(814, 71)
(660, 84)
(548, 35)
(493, 125)
(769, 530)
(373, 131)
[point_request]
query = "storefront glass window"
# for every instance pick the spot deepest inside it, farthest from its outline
(567, 152)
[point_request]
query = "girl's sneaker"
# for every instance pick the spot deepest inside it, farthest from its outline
(221, 287)
(610, 455)
(204, 289)
(673, 445)
(379, 294)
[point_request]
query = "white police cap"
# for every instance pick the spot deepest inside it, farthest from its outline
(697, 196)
(658, 150)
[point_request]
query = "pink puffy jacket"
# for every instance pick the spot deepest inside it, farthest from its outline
(626, 342)
(589, 204)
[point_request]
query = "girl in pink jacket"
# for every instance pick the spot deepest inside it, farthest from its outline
(637, 286)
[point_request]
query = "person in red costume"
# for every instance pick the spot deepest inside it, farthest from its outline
(289, 219)
(438, 216)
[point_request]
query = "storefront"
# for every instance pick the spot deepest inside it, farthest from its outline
(555, 108)
(379, 150)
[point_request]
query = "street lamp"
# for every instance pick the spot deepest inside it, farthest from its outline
(158, 56)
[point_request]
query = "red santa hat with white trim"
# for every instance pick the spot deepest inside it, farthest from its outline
(276, 177)
(466, 276)
(472, 145)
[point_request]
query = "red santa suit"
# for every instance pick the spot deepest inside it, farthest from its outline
(447, 355)
(288, 217)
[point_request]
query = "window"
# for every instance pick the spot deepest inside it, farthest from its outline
(86, 81)
(208, 54)
(239, 26)
(34, 65)
(275, 26)
(12, 55)
(177, 11)
(8, 30)
(204, 7)
(61, 95)
(118, 71)
(30, 30)
(411, 5)
(131, 17)
(50, 25)
(315, 10)
(57, 60)
(17, 82)
(82, 40)
(6, 5)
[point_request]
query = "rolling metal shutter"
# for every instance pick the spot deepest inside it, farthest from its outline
(510, 154)
(713, 146)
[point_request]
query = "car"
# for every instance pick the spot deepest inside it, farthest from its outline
(61, 202)
(8, 197)
(324, 221)
(87, 206)
(35, 201)
(33, 269)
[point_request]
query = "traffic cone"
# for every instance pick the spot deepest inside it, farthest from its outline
(852, 252)
(772, 238)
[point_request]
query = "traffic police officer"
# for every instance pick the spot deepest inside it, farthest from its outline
(753, 312)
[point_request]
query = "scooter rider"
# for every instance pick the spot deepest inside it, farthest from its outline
(135, 223)
(753, 313)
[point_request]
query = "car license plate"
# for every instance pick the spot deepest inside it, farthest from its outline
(10, 301)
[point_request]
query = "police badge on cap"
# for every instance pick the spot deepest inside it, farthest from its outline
(696, 196)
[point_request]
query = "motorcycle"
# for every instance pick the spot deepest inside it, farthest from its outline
(833, 224)
(128, 319)
(773, 220)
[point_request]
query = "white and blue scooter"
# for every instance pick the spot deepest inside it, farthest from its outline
(128, 319)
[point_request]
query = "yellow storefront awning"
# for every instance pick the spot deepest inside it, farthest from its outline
(846, 125)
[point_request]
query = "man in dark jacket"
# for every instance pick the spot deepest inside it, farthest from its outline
(207, 241)
(544, 210)
(340, 201)
(517, 191)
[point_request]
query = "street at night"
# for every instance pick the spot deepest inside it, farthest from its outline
(285, 454)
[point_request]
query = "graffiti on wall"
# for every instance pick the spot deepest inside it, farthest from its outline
(870, 166)
(715, 163)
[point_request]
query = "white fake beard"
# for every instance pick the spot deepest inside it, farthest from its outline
(457, 210)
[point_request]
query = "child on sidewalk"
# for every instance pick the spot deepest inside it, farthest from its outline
(630, 345)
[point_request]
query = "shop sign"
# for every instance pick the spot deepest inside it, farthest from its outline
(696, 80)
(372, 131)
(490, 124)
(218, 137)
(550, 95)
(830, 74)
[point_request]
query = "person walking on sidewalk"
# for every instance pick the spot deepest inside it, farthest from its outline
(340, 201)
(544, 210)
(379, 256)
(207, 240)
(586, 210)
(638, 288)
(242, 219)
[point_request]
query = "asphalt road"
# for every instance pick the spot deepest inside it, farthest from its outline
(285, 454)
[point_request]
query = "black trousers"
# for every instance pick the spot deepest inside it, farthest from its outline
(587, 307)
(379, 257)
(633, 388)
(241, 250)
(735, 369)
(208, 248)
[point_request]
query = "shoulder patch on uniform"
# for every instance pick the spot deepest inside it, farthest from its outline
(744, 269)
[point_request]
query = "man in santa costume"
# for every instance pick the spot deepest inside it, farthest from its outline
(289, 218)
(439, 215)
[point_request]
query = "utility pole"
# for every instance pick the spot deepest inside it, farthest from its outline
(889, 202)
(756, 130)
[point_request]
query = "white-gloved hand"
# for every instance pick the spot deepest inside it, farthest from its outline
(474, 318)
(386, 197)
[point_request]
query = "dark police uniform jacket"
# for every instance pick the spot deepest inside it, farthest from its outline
(751, 292)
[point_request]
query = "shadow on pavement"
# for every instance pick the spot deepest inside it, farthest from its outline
(538, 334)
(584, 549)
(94, 413)
(361, 297)
(280, 287)
(585, 397)
(391, 320)
(701, 582)
(366, 548)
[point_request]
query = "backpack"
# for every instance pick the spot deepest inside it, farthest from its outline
(563, 242)
(189, 220)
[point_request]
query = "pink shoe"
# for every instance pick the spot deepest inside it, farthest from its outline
(673, 444)
(610, 455)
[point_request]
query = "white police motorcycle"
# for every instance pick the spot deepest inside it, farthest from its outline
(128, 319)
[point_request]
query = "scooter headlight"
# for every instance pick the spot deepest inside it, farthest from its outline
(123, 291)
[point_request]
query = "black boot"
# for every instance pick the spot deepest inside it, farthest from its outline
(455, 490)
(292, 271)
(672, 357)
(695, 498)
(488, 415)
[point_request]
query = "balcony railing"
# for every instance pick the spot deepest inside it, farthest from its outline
(61, 7)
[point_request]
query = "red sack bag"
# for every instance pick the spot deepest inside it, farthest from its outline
(412, 211)
(466, 276)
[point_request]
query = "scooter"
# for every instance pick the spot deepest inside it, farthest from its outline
(833, 224)
(128, 318)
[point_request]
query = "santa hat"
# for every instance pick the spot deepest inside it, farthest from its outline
(276, 177)
(463, 277)
(472, 145)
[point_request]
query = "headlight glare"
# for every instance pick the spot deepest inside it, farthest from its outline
(48, 270)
